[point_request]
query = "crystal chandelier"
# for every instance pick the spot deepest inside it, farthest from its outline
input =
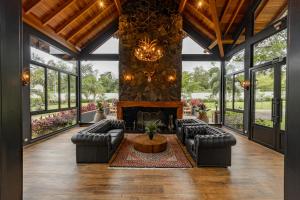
(148, 50)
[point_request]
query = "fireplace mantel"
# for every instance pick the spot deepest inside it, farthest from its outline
(150, 104)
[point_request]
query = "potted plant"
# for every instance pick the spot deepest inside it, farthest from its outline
(100, 112)
(202, 112)
(152, 128)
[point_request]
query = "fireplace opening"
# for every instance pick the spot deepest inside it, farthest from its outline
(136, 118)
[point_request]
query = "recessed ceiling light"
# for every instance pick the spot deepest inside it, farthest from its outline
(101, 3)
(199, 4)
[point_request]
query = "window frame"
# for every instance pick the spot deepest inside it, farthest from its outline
(46, 109)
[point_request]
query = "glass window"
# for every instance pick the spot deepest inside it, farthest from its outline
(271, 48)
(64, 90)
(234, 120)
(52, 89)
(111, 46)
(236, 63)
(47, 123)
(229, 92)
(99, 82)
(46, 54)
(37, 88)
(73, 91)
(189, 46)
(239, 92)
(201, 86)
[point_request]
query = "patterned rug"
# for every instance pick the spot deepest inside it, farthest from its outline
(172, 157)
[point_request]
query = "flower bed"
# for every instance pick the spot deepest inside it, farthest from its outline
(88, 107)
(44, 124)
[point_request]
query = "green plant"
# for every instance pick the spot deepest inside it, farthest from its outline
(151, 128)
(100, 106)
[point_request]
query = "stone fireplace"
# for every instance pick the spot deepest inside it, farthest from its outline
(150, 86)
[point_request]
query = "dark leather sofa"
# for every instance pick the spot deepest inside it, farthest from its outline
(182, 123)
(209, 146)
(98, 143)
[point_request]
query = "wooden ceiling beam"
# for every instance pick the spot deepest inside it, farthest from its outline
(213, 44)
(280, 12)
(228, 4)
(241, 2)
(34, 22)
(198, 26)
(182, 5)
(100, 15)
(57, 11)
(260, 8)
(97, 28)
(213, 10)
(30, 5)
(118, 6)
(200, 15)
(78, 14)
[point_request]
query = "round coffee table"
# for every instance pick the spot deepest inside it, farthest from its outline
(143, 144)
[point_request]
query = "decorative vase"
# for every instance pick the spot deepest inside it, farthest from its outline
(151, 135)
(203, 116)
(99, 116)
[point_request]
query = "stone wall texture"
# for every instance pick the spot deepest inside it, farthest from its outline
(155, 19)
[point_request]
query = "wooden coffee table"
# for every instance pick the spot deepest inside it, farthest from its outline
(143, 144)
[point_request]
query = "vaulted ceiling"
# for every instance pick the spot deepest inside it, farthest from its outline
(76, 23)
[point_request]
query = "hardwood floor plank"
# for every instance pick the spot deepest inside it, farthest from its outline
(50, 172)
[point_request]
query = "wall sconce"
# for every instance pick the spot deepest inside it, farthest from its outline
(245, 84)
(171, 78)
(128, 77)
(25, 77)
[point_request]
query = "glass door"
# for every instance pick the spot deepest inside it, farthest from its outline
(268, 105)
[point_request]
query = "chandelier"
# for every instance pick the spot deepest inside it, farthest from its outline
(148, 50)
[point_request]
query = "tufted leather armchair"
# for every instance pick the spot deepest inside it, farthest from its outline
(209, 146)
(98, 143)
(182, 123)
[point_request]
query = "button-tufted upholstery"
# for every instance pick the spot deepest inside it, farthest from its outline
(209, 146)
(98, 142)
(182, 123)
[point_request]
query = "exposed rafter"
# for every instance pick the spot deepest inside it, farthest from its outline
(198, 26)
(75, 16)
(182, 6)
(33, 21)
(101, 25)
(57, 11)
(228, 4)
(280, 12)
(236, 12)
(213, 9)
(260, 8)
(200, 15)
(94, 19)
(31, 5)
(119, 6)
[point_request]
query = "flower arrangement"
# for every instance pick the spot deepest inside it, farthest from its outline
(52, 122)
(88, 107)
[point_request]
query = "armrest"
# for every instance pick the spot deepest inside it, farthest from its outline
(214, 141)
(91, 139)
(192, 131)
(117, 124)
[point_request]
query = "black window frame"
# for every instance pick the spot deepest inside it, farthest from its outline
(59, 72)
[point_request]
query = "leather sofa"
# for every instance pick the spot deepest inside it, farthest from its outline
(209, 146)
(98, 143)
(182, 123)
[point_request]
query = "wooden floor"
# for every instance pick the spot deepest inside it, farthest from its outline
(50, 173)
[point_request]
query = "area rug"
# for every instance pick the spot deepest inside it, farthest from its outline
(172, 157)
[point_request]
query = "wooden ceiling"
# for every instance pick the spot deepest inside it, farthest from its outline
(76, 23)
